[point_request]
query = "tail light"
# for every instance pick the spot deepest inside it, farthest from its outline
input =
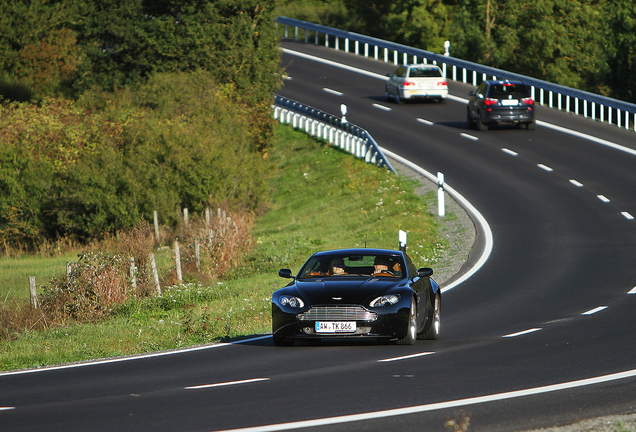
(442, 83)
(408, 83)
(528, 101)
(490, 101)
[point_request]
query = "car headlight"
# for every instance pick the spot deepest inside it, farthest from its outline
(290, 301)
(385, 300)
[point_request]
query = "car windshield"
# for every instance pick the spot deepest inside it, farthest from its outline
(424, 72)
(503, 91)
(365, 265)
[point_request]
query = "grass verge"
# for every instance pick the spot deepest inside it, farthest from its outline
(322, 199)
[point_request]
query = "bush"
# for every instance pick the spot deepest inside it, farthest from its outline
(91, 169)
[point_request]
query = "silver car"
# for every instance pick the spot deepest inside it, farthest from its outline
(417, 81)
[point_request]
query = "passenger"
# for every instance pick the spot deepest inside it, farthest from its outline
(337, 267)
(381, 265)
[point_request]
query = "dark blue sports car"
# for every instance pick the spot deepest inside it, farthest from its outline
(357, 294)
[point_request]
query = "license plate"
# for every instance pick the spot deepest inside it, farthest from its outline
(335, 326)
(510, 102)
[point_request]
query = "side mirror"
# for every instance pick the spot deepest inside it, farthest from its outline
(425, 272)
(285, 273)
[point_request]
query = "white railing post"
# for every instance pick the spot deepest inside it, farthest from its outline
(440, 195)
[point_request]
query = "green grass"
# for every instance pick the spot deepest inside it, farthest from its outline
(322, 199)
(15, 272)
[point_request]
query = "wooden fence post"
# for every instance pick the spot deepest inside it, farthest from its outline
(34, 295)
(156, 219)
(153, 266)
(177, 258)
(133, 273)
(197, 253)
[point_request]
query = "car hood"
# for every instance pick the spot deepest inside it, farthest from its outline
(345, 291)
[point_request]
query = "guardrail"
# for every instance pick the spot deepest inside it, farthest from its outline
(339, 132)
(589, 105)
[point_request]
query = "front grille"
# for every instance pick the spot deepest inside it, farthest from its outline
(338, 313)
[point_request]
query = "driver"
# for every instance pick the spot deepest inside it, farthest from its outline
(381, 265)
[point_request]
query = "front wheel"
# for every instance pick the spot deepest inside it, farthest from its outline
(469, 119)
(433, 332)
(411, 332)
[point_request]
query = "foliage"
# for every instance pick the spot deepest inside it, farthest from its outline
(96, 283)
(50, 48)
(92, 168)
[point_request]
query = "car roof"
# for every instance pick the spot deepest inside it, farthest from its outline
(359, 251)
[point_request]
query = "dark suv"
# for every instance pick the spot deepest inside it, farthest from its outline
(500, 102)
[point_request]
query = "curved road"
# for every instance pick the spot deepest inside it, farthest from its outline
(543, 334)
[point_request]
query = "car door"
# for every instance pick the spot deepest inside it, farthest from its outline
(475, 102)
(420, 286)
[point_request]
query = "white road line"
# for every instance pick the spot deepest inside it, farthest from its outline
(333, 92)
(576, 183)
(627, 215)
(510, 152)
(405, 357)
(545, 167)
(336, 64)
(603, 198)
(593, 311)
(588, 137)
(521, 333)
(470, 137)
(437, 406)
(6, 408)
(426, 122)
(633, 291)
(225, 384)
(382, 107)
(133, 357)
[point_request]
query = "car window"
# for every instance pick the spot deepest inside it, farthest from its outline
(400, 72)
(424, 72)
(505, 90)
(351, 265)
(483, 88)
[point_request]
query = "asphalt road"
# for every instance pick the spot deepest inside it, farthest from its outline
(543, 334)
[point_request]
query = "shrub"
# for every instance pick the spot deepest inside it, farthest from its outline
(96, 283)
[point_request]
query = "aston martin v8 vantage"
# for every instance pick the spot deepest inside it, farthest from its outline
(357, 294)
